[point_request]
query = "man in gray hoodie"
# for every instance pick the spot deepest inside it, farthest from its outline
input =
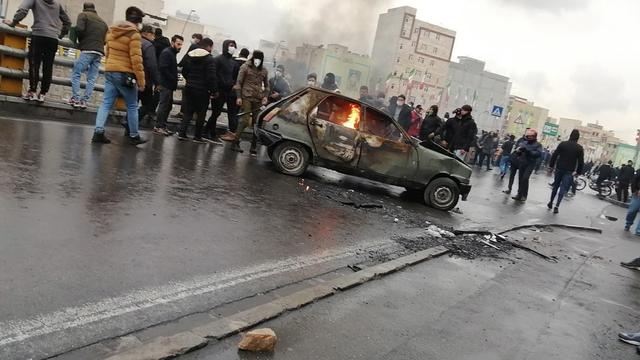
(50, 23)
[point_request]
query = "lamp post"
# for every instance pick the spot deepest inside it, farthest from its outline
(187, 21)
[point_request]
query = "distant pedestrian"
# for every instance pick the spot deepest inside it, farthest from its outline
(168, 69)
(416, 122)
(161, 42)
(605, 173)
(401, 112)
(152, 78)
(279, 85)
(568, 162)
(124, 74)
(91, 31)
(431, 125)
(528, 151)
(226, 75)
(50, 23)
(199, 71)
(312, 80)
(460, 131)
(329, 83)
(634, 206)
(365, 97)
(624, 179)
(507, 148)
(252, 89)
(488, 148)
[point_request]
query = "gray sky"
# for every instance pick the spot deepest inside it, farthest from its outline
(578, 58)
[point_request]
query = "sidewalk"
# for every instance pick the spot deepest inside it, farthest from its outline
(518, 308)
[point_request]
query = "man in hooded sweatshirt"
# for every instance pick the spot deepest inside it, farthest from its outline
(252, 89)
(200, 72)
(568, 161)
(226, 70)
(124, 74)
(91, 30)
(431, 124)
(528, 151)
(50, 23)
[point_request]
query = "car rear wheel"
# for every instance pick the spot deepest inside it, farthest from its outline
(290, 158)
(442, 194)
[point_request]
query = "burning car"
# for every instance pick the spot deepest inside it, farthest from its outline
(314, 126)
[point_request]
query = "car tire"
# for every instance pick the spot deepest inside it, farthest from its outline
(290, 158)
(442, 194)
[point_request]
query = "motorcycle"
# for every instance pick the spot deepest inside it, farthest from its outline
(605, 189)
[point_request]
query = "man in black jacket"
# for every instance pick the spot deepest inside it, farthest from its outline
(279, 85)
(160, 43)
(152, 78)
(634, 206)
(605, 172)
(568, 160)
(460, 131)
(200, 72)
(624, 179)
(226, 74)
(168, 69)
(431, 124)
(401, 112)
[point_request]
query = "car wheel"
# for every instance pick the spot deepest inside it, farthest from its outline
(290, 158)
(442, 194)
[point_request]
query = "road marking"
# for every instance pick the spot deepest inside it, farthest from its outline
(71, 317)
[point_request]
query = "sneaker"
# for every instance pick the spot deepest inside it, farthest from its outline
(630, 338)
(159, 131)
(627, 228)
(556, 210)
(30, 95)
(235, 146)
(519, 198)
(99, 138)
(199, 141)
(135, 141)
(168, 132)
(253, 152)
(73, 103)
(215, 140)
(508, 191)
(40, 97)
(83, 104)
(228, 137)
(550, 205)
(634, 264)
(182, 137)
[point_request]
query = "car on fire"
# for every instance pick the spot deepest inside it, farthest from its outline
(323, 128)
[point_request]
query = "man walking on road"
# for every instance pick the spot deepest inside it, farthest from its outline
(124, 74)
(91, 30)
(528, 151)
(50, 23)
(624, 179)
(568, 161)
(634, 206)
(507, 148)
(168, 69)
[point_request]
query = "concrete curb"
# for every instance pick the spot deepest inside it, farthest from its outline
(565, 226)
(186, 341)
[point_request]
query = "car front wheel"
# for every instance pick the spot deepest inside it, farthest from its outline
(442, 194)
(290, 158)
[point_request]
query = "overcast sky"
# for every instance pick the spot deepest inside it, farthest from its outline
(578, 58)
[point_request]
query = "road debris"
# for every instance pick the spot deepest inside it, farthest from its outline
(259, 340)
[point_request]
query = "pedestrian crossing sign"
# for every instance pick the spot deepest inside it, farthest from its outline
(497, 111)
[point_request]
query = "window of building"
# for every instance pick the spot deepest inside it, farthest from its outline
(404, 33)
(410, 57)
(398, 60)
(435, 50)
(395, 73)
(428, 75)
(416, 31)
(421, 60)
(437, 36)
(413, 44)
(401, 46)
(432, 62)
(423, 47)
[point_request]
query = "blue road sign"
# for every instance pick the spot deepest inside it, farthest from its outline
(497, 111)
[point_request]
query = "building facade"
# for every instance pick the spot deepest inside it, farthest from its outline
(411, 56)
(469, 83)
(522, 114)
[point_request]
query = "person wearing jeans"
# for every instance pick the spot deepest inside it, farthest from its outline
(124, 74)
(568, 160)
(634, 206)
(91, 31)
(168, 69)
(50, 23)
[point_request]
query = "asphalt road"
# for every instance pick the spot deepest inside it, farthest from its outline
(99, 241)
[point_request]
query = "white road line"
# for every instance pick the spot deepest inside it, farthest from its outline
(71, 317)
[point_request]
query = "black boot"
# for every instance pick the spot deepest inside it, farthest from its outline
(137, 140)
(99, 138)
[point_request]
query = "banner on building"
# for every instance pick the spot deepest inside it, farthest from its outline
(550, 129)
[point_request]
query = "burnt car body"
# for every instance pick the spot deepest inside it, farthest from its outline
(319, 127)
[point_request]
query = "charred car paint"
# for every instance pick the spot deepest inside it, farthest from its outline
(314, 126)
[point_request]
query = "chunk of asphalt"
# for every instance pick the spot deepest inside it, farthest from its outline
(183, 342)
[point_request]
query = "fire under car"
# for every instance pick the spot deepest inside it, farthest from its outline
(318, 127)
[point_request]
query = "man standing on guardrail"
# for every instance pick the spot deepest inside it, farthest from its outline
(124, 74)
(50, 23)
(91, 31)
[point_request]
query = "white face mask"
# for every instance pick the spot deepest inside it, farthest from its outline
(257, 62)
(400, 103)
(232, 50)
(139, 26)
(278, 73)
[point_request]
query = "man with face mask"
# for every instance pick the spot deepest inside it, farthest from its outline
(279, 85)
(401, 112)
(312, 80)
(528, 151)
(168, 68)
(226, 70)
(252, 88)
(431, 124)
(460, 131)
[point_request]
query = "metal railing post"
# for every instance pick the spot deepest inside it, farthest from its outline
(8, 85)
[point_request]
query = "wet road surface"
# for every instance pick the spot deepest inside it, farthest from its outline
(98, 241)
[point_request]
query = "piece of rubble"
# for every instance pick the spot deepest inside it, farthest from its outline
(259, 340)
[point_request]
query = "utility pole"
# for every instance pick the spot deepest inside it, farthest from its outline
(187, 21)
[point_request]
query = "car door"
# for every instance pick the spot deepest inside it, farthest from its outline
(386, 153)
(333, 125)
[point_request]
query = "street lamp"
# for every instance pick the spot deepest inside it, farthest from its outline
(186, 21)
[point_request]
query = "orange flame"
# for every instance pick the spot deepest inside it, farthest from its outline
(354, 117)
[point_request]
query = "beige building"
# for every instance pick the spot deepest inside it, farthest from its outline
(110, 10)
(523, 114)
(411, 56)
(351, 70)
